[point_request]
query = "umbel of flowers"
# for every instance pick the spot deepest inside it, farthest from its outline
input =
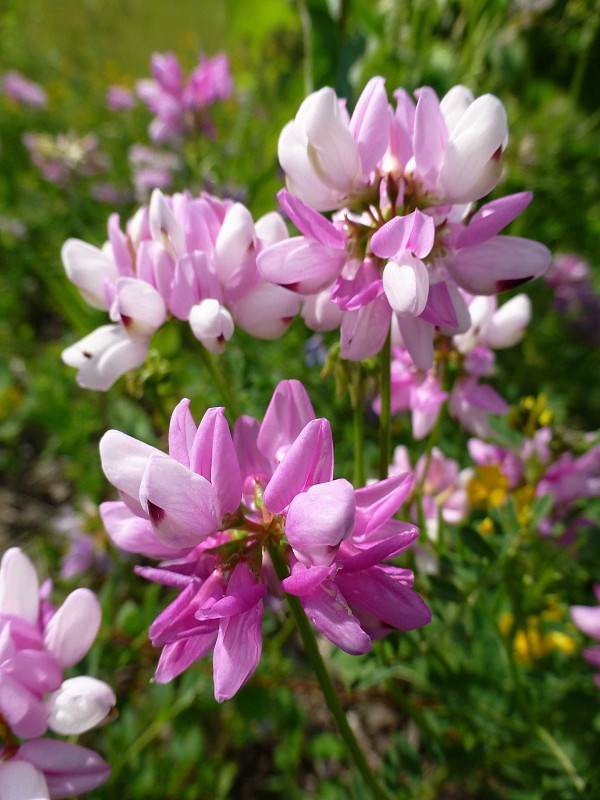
(222, 512)
(404, 235)
(38, 642)
(189, 258)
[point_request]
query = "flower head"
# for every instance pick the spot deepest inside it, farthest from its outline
(217, 503)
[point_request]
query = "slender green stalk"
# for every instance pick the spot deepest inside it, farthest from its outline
(221, 382)
(385, 418)
(325, 682)
(307, 41)
(562, 757)
(358, 418)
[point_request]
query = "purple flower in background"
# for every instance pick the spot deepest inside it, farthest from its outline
(587, 619)
(119, 98)
(575, 296)
(151, 169)
(65, 158)
(23, 91)
(469, 401)
(213, 505)
(180, 106)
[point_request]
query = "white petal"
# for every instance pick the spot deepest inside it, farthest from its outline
(19, 587)
(79, 704)
(212, 324)
(73, 628)
(20, 780)
(88, 268)
(406, 285)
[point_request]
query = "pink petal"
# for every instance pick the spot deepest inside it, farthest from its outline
(88, 268)
(239, 642)
(308, 461)
(387, 599)
(417, 336)
(213, 456)
(23, 710)
(370, 124)
(134, 534)
(287, 414)
(363, 332)
(587, 619)
(310, 223)
(19, 586)
(329, 612)
(20, 780)
(182, 430)
(414, 232)
(430, 136)
(266, 311)
(375, 504)
(492, 218)
(69, 769)
(319, 519)
(301, 265)
(73, 628)
(184, 507)
(124, 460)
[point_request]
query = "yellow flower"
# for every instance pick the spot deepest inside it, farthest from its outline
(488, 488)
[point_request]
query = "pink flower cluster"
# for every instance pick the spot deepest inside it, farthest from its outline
(37, 644)
(66, 157)
(469, 401)
(404, 235)
(212, 508)
(181, 106)
(587, 619)
(190, 258)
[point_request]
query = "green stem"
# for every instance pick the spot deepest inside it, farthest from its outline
(325, 682)
(385, 417)
(358, 417)
(221, 382)
(562, 757)
(307, 41)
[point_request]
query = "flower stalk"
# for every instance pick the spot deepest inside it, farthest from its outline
(325, 682)
(385, 361)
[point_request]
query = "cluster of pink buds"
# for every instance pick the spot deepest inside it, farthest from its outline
(404, 236)
(181, 106)
(587, 619)
(37, 644)
(190, 258)
(469, 401)
(216, 506)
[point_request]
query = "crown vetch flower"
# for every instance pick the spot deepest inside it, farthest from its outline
(211, 508)
(190, 258)
(403, 235)
(37, 643)
(181, 106)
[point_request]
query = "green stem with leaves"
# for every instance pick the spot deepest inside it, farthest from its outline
(358, 419)
(325, 682)
(221, 382)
